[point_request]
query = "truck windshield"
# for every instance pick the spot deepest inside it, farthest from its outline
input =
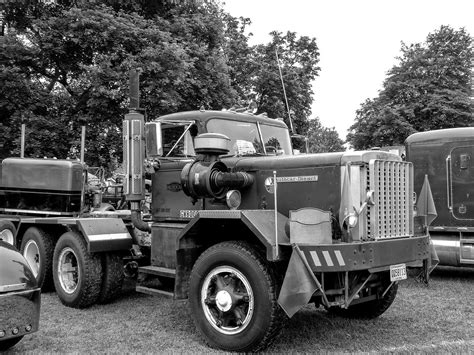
(246, 137)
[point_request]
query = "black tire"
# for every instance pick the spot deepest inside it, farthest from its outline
(112, 278)
(371, 309)
(37, 247)
(8, 232)
(227, 271)
(76, 272)
(7, 344)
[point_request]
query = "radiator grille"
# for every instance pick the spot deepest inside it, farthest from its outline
(392, 214)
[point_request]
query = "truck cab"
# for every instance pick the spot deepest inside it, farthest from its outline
(239, 226)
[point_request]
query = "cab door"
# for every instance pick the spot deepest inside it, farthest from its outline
(462, 182)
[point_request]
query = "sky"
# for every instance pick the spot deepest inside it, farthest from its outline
(358, 41)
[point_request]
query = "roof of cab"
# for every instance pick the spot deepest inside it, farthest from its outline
(448, 134)
(228, 115)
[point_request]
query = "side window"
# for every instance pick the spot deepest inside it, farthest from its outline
(178, 140)
(277, 140)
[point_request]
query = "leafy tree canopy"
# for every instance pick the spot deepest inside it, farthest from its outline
(65, 64)
(299, 58)
(428, 89)
(322, 139)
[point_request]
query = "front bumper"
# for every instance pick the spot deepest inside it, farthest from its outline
(19, 313)
(373, 256)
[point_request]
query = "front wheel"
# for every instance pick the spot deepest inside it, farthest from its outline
(76, 272)
(233, 298)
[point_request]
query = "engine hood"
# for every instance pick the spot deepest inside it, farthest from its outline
(15, 273)
(308, 160)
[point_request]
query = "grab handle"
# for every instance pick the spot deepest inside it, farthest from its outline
(448, 182)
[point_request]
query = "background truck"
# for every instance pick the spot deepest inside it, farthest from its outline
(447, 157)
(241, 227)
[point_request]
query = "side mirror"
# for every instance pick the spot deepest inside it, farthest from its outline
(153, 143)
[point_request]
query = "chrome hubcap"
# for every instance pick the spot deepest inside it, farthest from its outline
(227, 300)
(68, 270)
(7, 236)
(223, 300)
(32, 256)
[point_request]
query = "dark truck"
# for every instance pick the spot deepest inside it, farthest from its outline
(446, 156)
(241, 227)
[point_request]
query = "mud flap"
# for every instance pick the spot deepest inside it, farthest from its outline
(105, 234)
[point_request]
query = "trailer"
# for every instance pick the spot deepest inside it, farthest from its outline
(446, 156)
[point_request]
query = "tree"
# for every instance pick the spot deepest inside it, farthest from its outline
(428, 89)
(71, 62)
(65, 64)
(299, 58)
(322, 139)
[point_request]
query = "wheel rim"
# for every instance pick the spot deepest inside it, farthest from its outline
(227, 300)
(7, 236)
(32, 256)
(68, 270)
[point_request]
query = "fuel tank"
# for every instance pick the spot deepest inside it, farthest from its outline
(41, 185)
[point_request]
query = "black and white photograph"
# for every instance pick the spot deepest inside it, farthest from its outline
(236, 176)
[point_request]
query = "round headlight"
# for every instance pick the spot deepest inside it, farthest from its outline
(233, 199)
(351, 220)
(269, 186)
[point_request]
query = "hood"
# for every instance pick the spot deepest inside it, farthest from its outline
(308, 160)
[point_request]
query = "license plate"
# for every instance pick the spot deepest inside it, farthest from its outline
(398, 272)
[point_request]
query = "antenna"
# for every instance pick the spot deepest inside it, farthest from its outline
(284, 91)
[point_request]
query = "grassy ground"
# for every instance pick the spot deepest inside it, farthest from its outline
(439, 318)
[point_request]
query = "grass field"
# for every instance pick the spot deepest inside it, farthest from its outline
(439, 318)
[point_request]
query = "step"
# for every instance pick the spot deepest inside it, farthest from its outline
(153, 291)
(158, 271)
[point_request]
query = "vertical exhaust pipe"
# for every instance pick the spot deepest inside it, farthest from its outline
(134, 154)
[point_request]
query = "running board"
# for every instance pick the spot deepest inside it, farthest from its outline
(153, 291)
(156, 280)
(158, 271)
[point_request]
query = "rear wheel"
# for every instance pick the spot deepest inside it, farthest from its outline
(7, 232)
(370, 309)
(76, 272)
(233, 298)
(112, 278)
(37, 247)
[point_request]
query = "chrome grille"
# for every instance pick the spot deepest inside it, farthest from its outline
(392, 214)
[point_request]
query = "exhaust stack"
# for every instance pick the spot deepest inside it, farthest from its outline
(134, 154)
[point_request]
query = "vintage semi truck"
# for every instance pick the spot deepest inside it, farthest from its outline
(447, 157)
(241, 227)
